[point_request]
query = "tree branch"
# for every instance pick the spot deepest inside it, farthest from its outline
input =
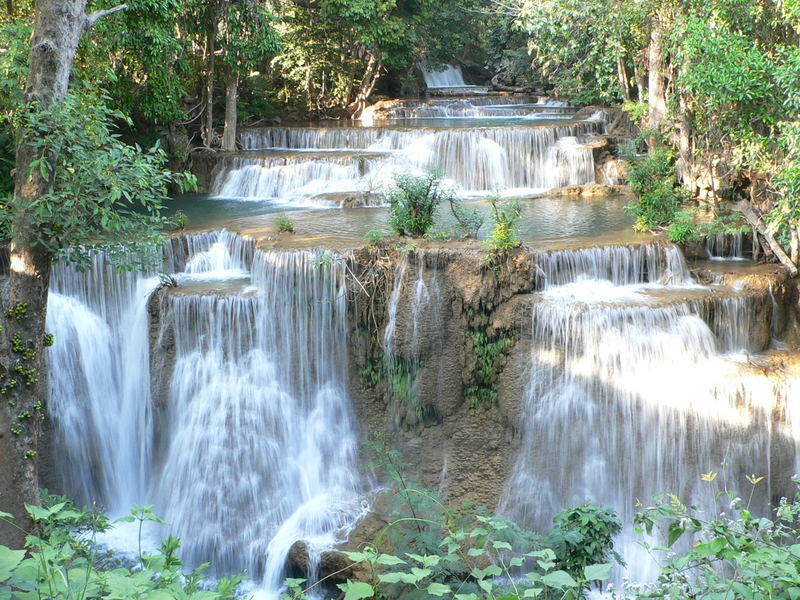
(312, 4)
(92, 18)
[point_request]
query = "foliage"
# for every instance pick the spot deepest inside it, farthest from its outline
(413, 201)
(179, 220)
(682, 229)
(284, 224)
(489, 354)
(575, 45)
(584, 535)
(469, 220)
(652, 179)
(375, 237)
(504, 234)
(433, 550)
(104, 193)
(61, 561)
(735, 554)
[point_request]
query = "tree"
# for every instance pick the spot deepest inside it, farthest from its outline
(76, 186)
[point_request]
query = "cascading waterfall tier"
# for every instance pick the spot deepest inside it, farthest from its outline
(252, 448)
(477, 160)
(99, 383)
(640, 381)
(449, 77)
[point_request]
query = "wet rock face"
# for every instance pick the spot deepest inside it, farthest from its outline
(450, 309)
(449, 305)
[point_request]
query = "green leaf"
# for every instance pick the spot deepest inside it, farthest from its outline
(5, 515)
(476, 552)
(438, 589)
(466, 597)
(9, 560)
(675, 532)
(559, 579)
(531, 592)
(37, 512)
(420, 574)
(357, 590)
(389, 560)
(501, 545)
(597, 572)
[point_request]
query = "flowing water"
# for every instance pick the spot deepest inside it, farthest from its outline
(253, 447)
(639, 382)
(480, 145)
(224, 401)
(449, 77)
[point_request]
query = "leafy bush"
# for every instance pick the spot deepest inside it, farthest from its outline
(504, 235)
(469, 220)
(413, 201)
(433, 550)
(734, 554)
(652, 179)
(284, 224)
(682, 230)
(179, 221)
(375, 237)
(583, 536)
(60, 562)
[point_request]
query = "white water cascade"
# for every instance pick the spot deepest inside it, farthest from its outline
(253, 448)
(639, 382)
(358, 160)
(99, 383)
(449, 77)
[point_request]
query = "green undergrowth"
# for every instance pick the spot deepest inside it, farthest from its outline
(61, 561)
(490, 353)
(434, 549)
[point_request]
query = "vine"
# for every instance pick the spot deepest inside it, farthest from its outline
(490, 353)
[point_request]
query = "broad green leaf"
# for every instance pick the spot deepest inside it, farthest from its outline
(37, 512)
(388, 559)
(438, 589)
(476, 552)
(9, 560)
(357, 590)
(420, 574)
(559, 579)
(597, 572)
(501, 545)
(466, 597)
(531, 592)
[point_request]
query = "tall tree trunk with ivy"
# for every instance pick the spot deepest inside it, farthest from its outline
(58, 28)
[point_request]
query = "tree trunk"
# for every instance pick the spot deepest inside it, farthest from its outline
(624, 80)
(371, 75)
(657, 76)
(211, 42)
(757, 223)
(231, 116)
(58, 28)
(640, 75)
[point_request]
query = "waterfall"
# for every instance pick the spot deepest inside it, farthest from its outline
(451, 76)
(639, 381)
(474, 159)
(726, 247)
(99, 383)
(251, 448)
